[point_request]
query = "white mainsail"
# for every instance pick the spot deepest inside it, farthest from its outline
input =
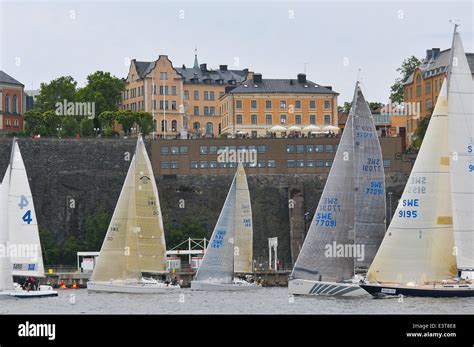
(461, 144)
(418, 246)
(6, 278)
(22, 223)
(243, 225)
(134, 242)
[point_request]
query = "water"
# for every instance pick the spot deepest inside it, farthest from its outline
(263, 301)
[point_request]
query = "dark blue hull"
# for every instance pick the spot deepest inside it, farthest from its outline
(392, 290)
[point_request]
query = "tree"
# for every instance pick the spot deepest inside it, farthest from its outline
(145, 122)
(70, 249)
(87, 127)
(375, 105)
(58, 90)
(127, 119)
(106, 118)
(34, 123)
(409, 66)
(50, 249)
(70, 127)
(102, 89)
(96, 226)
(192, 227)
(51, 121)
(420, 132)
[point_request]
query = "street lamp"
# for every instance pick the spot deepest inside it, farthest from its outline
(96, 130)
(58, 129)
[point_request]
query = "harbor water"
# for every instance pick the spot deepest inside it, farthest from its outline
(274, 300)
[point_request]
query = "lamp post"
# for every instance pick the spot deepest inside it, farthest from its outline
(58, 129)
(390, 205)
(96, 130)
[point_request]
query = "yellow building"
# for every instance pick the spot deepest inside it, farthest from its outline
(180, 99)
(258, 104)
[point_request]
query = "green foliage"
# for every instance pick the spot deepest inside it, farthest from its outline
(106, 118)
(87, 127)
(144, 120)
(33, 122)
(109, 132)
(70, 249)
(187, 227)
(51, 121)
(51, 251)
(409, 65)
(58, 90)
(70, 127)
(347, 106)
(420, 132)
(127, 119)
(96, 226)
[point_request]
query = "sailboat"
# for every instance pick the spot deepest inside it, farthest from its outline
(19, 236)
(135, 243)
(431, 235)
(230, 248)
(349, 222)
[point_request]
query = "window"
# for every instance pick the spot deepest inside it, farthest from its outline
(253, 104)
(211, 96)
(163, 75)
(212, 149)
(271, 163)
(165, 165)
(319, 148)
(7, 103)
(297, 104)
(14, 104)
(312, 104)
(312, 119)
(165, 150)
(196, 95)
(183, 149)
(283, 104)
(428, 104)
(387, 163)
(223, 165)
(213, 164)
(283, 118)
(309, 149)
(174, 165)
(418, 79)
(253, 119)
(268, 119)
(261, 163)
(327, 119)
(202, 149)
(418, 90)
(261, 149)
(212, 111)
(298, 119)
(203, 164)
(238, 104)
(328, 163)
(290, 163)
(328, 148)
(174, 150)
(300, 163)
(428, 88)
(299, 148)
(186, 95)
(196, 126)
(309, 163)
(290, 148)
(196, 110)
(194, 164)
(206, 110)
(173, 90)
(327, 104)
(232, 165)
(238, 119)
(268, 104)
(164, 125)
(173, 105)
(206, 95)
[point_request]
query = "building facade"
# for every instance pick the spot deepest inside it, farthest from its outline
(258, 104)
(179, 98)
(12, 104)
(422, 88)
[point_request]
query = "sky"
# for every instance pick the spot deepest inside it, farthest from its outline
(335, 41)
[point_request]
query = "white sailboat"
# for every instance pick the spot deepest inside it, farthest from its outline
(135, 243)
(19, 236)
(349, 222)
(230, 248)
(431, 235)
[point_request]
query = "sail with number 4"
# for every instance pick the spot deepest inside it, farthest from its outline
(27, 259)
(351, 212)
(6, 279)
(461, 145)
(135, 241)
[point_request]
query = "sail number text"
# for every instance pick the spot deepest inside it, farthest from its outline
(409, 213)
(376, 188)
(372, 165)
(218, 241)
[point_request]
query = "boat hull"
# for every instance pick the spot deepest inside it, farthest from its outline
(381, 291)
(209, 286)
(131, 288)
(43, 292)
(312, 288)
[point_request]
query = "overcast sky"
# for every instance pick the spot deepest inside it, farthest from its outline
(43, 40)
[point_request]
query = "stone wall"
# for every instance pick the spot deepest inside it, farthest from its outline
(91, 172)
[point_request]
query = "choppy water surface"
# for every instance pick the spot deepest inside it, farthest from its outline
(263, 301)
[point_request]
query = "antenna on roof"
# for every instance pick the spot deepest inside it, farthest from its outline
(304, 67)
(359, 73)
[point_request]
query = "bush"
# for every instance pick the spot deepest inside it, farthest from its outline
(87, 127)
(70, 127)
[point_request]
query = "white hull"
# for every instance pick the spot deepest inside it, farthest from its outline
(131, 288)
(210, 286)
(307, 287)
(43, 292)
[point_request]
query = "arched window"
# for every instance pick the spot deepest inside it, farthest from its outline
(7, 103)
(196, 126)
(164, 125)
(14, 104)
(209, 128)
(174, 125)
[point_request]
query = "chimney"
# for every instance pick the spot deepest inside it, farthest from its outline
(203, 67)
(301, 78)
(435, 53)
(428, 55)
(257, 78)
(223, 67)
(328, 87)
